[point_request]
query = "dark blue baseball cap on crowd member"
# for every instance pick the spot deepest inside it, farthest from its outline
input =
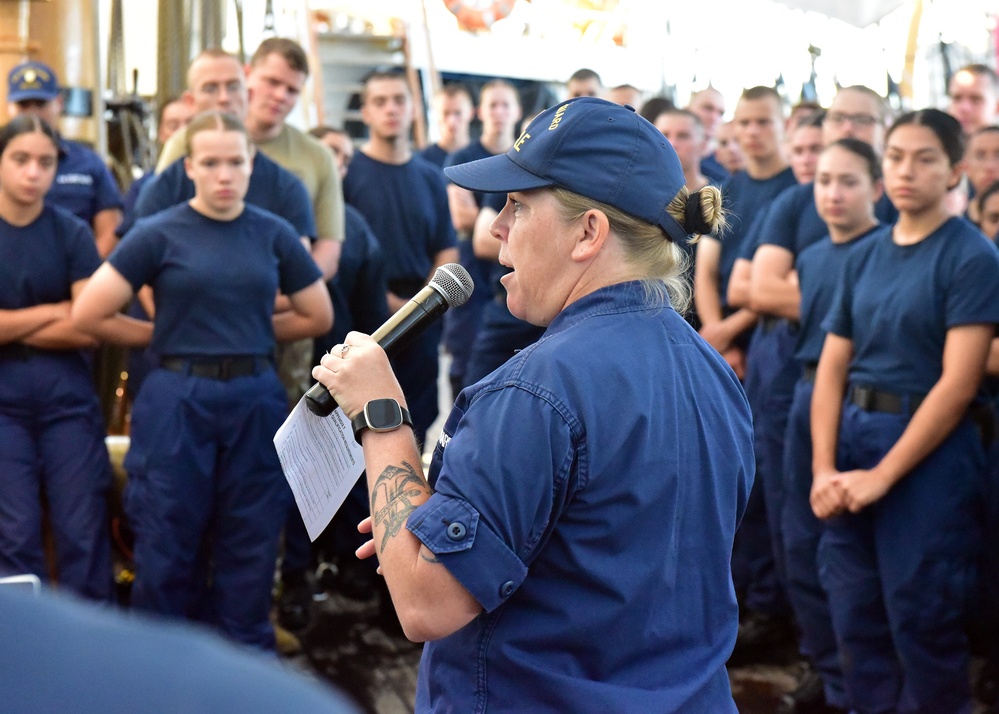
(32, 80)
(591, 147)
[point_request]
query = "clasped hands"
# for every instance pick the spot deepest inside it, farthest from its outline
(836, 492)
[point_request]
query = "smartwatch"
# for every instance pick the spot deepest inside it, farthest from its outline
(380, 415)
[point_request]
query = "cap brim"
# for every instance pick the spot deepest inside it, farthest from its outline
(29, 95)
(495, 174)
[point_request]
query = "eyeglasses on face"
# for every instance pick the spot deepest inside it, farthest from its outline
(855, 119)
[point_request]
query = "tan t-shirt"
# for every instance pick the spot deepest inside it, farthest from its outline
(308, 159)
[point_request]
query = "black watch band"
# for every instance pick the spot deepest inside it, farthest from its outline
(380, 415)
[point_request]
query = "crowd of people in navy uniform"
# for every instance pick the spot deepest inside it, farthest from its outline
(854, 294)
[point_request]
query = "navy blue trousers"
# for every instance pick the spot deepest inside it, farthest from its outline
(801, 533)
(52, 435)
(771, 374)
(900, 573)
(207, 499)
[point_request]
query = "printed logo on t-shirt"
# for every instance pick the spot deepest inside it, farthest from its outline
(75, 179)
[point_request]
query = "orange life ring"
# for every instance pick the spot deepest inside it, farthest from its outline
(478, 14)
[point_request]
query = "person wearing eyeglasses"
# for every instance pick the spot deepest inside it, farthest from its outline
(768, 266)
(215, 82)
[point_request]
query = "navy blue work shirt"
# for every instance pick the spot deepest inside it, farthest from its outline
(83, 184)
(586, 494)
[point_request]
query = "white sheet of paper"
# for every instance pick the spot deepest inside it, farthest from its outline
(321, 461)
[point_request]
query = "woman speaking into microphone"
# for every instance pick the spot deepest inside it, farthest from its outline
(593, 483)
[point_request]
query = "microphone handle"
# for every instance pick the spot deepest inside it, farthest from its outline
(398, 331)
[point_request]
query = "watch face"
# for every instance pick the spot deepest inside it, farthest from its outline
(383, 414)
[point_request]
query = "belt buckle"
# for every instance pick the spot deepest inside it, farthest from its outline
(225, 370)
(863, 397)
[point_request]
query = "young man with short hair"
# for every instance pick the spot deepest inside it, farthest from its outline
(453, 111)
(404, 201)
(974, 97)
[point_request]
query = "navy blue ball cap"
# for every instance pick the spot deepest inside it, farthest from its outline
(32, 80)
(591, 147)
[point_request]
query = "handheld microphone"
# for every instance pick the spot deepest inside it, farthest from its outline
(451, 286)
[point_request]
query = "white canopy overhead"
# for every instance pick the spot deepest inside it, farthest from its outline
(856, 12)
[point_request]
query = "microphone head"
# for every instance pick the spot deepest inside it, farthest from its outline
(454, 283)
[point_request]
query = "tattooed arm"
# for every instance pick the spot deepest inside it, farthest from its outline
(429, 601)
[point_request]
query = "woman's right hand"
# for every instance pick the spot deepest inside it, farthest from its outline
(358, 373)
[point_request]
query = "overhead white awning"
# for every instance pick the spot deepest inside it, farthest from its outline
(856, 12)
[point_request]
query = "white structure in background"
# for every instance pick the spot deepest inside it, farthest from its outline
(731, 44)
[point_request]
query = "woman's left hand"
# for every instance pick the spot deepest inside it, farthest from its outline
(356, 372)
(862, 487)
(368, 549)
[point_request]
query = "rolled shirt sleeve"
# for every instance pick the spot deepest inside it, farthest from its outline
(507, 471)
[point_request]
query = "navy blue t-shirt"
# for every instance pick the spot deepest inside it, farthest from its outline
(214, 282)
(819, 267)
(40, 261)
(472, 152)
(793, 222)
(462, 323)
(713, 170)
(745, 198)
(83, 184)
(896, 303)
(358, 289)
(754, 236)
(271, 188)
(406, 207)
(132, 198)
(435, 155)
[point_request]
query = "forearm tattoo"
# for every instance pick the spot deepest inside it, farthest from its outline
(392, 499)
